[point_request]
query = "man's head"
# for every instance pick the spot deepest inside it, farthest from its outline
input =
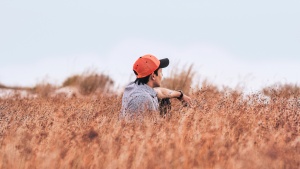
(148, 70)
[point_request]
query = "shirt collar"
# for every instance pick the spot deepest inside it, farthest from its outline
(148, 89)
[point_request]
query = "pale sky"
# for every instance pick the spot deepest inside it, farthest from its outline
(253, 43)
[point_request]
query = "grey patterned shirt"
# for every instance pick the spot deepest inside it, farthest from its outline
(138, 99)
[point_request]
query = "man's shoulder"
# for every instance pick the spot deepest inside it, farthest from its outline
(139, 93)
(140, 96)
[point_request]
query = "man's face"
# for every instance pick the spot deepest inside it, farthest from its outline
(158, 78)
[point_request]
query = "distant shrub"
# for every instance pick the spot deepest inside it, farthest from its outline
(2, 86)
(43, 89)
(71, 81)
(90, 82)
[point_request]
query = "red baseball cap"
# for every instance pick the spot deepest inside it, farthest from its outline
(147, 64)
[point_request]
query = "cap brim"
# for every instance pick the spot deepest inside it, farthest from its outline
(164, 63)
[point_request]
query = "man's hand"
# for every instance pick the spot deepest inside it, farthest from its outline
(186, 100)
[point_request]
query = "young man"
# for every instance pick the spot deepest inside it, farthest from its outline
(141, 96)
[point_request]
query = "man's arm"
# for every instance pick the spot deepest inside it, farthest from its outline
(167, 93)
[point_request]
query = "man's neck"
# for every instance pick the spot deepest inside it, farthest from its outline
(150, 84)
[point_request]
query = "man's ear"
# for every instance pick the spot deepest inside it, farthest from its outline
(152, 76)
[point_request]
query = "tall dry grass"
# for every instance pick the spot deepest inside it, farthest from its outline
(225, 129)
(180, 79)
(284, 91)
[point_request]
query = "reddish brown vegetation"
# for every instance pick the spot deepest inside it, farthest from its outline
(225, 129)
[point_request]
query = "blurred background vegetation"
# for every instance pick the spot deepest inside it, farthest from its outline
(186, 79)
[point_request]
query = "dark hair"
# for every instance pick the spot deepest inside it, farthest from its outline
(144, 80)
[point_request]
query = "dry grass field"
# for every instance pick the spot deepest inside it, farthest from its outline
(225, 129)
